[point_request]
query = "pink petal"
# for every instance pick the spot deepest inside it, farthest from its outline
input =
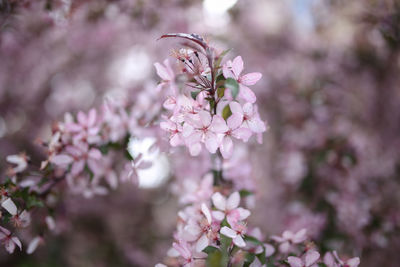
(311, 258)
(205, 118)
(218, 125)
(228, 232)
(256, 125)
(206, 212)
(247, 94)
(91, 120)
(202, 243)
(242, 133)
(10, 246)
(9, 205)
(61, 159)
(238, 241)
(94, 153)
(218, 215)
(237, 66)
(227, 72)
(33, 245)
(300, 236)
(82, 119)
(233, 201)
(353, 262)
(244, 213)
(250, 78)
(295, 262)
(195, 149)
(211, 142)
(219, 201)
(77, 167)
(162, 71)
(236, 108)
(226, 147)
(234, 121)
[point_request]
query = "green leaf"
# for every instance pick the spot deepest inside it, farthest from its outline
(226, 112)
(214, 259)
(210, 249)
(321, 264)
(253, 240)
(221, 92)
(232, 85)
(194, 94)
(249, 259)
(245, 193)
(34, 201)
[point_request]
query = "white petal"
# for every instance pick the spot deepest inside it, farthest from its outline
(219, 201)
(295, 262)
(9, 205)
(202, 243)
(353, 262)
(228, 232)
(238, 241)
(218, 215)
(311, 258)
(33, 245)
(233, 201)
(206, 212)
(244, 213)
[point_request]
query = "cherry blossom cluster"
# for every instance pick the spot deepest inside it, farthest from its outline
(86, 152)
(211, 104)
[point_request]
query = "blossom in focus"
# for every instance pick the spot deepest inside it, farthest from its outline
(233, 69)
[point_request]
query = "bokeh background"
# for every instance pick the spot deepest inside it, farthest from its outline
(330, 93)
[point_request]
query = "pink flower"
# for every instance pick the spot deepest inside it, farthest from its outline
(175, 130)
(201, 230)
(86, 128)
(185, 251)
(288, 238)
(233, 69)
(231, 128)
(199, 129)
(82, 154)
(166, 74)
(236, 232)
(250, 116)
(21, 220)
(333, 260)
(308, 260)
(9, 241)
(229, 207)
(9, 205)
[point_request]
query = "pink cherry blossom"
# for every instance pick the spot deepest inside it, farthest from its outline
(307, 260)
(232, 128)
(86, 128)
(199, 129)
(233, 69)
(250, 116)
(333, 260)
(229, 207)
(288, 238)
(22, 219)
(9, 241)
(167, 75)
(236, 232)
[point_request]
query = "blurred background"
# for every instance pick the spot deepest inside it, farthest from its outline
(330, 93)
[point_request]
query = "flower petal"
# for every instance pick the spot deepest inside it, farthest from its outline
(219, 201)
(9, 205)
(250, 78)
(228, 232)
(233, 201)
